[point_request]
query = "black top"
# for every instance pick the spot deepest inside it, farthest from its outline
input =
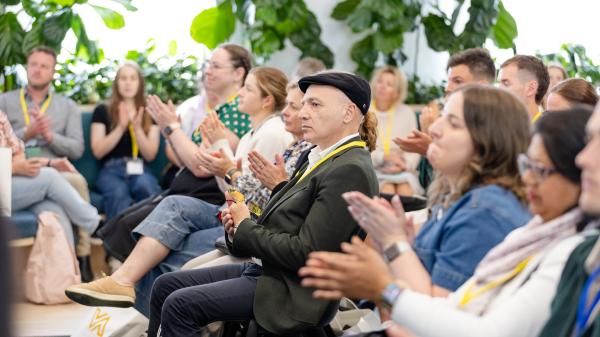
(123, 148)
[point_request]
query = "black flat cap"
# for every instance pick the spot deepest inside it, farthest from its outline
(355, 87)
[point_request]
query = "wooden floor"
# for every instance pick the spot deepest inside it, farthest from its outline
(73, 319)
(49, 320)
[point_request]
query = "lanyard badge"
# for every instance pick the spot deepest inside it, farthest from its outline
(584, 313)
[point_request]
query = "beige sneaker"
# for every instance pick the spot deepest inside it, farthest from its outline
(104, 292)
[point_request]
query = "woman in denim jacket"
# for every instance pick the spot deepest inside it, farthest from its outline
(476, 198)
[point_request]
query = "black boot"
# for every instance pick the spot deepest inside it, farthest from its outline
(86, 268)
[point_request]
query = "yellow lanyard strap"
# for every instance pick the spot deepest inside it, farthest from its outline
(536, 117)
(26, 110)
(470, 294)
(134, 145)
(356, 143)
(387, 136)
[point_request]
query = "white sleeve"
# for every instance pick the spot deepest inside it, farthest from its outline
(272, 141)
(520, 315)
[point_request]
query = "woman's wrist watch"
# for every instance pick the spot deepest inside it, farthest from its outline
(396, 249)
(229, 175)
(168, 130)
(390, 294)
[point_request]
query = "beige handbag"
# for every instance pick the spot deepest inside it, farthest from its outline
(52, 266)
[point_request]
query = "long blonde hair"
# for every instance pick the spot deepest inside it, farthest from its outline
(140, 98)
(499, 127)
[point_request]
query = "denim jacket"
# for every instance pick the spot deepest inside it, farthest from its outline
(453, 241)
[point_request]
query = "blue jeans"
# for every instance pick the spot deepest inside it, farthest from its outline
(187, 226)
(50, 191)
(120, 190)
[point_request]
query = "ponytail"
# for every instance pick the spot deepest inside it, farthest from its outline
(368, 130)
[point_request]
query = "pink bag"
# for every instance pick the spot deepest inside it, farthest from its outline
(52, 266)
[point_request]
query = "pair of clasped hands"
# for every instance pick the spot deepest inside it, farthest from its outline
(41, 125)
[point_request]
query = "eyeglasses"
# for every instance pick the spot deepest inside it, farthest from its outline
(209, 64)
(538, 171)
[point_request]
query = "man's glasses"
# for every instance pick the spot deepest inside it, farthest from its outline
(538, 171)
(213, 65)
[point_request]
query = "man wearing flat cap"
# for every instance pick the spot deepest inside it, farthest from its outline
(306, 215)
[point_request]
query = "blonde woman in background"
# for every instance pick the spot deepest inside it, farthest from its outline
(396, 169)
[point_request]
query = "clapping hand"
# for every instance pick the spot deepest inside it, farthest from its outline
(163, 114)
(269, 174)
(233, 215)
(416, 142)
(123, 116)
(138, 118)
(384, 222)
(358, 272)
(218, 163)
(212, 128)
(428, 115)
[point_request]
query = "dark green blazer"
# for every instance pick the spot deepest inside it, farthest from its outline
(301, 218)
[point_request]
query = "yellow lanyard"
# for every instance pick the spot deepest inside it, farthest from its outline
(26, 110)
(387, 136)
(135, 150)
(356, 143)
(470, 294)
(536, 117)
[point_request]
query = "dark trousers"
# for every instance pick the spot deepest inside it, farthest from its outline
(183, 302)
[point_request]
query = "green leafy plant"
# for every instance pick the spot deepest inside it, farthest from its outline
(48, 22)
(421, 93)
(385, 22)
(574, 59)
(487, 19)
(267, 25)
(172, 76)
(169, 76)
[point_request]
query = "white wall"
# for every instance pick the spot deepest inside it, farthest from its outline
(339, 38)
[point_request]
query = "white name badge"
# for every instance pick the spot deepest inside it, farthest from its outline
(135, 167)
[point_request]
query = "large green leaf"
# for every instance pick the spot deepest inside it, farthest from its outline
(265, 42)
(504, 31)
(214, 25)
(85, 49)
(387, 42)
(360, 20)
(440, 36)
(31, 8)
(63, 3)
(387, 9)
(9, 2)
(173, 48)
(112, 19)
(295, 18)
(309, 42)
(11, 40)
(343, 9)
(34, 37)
(56, 27)
(365, 55)
(268, 15)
